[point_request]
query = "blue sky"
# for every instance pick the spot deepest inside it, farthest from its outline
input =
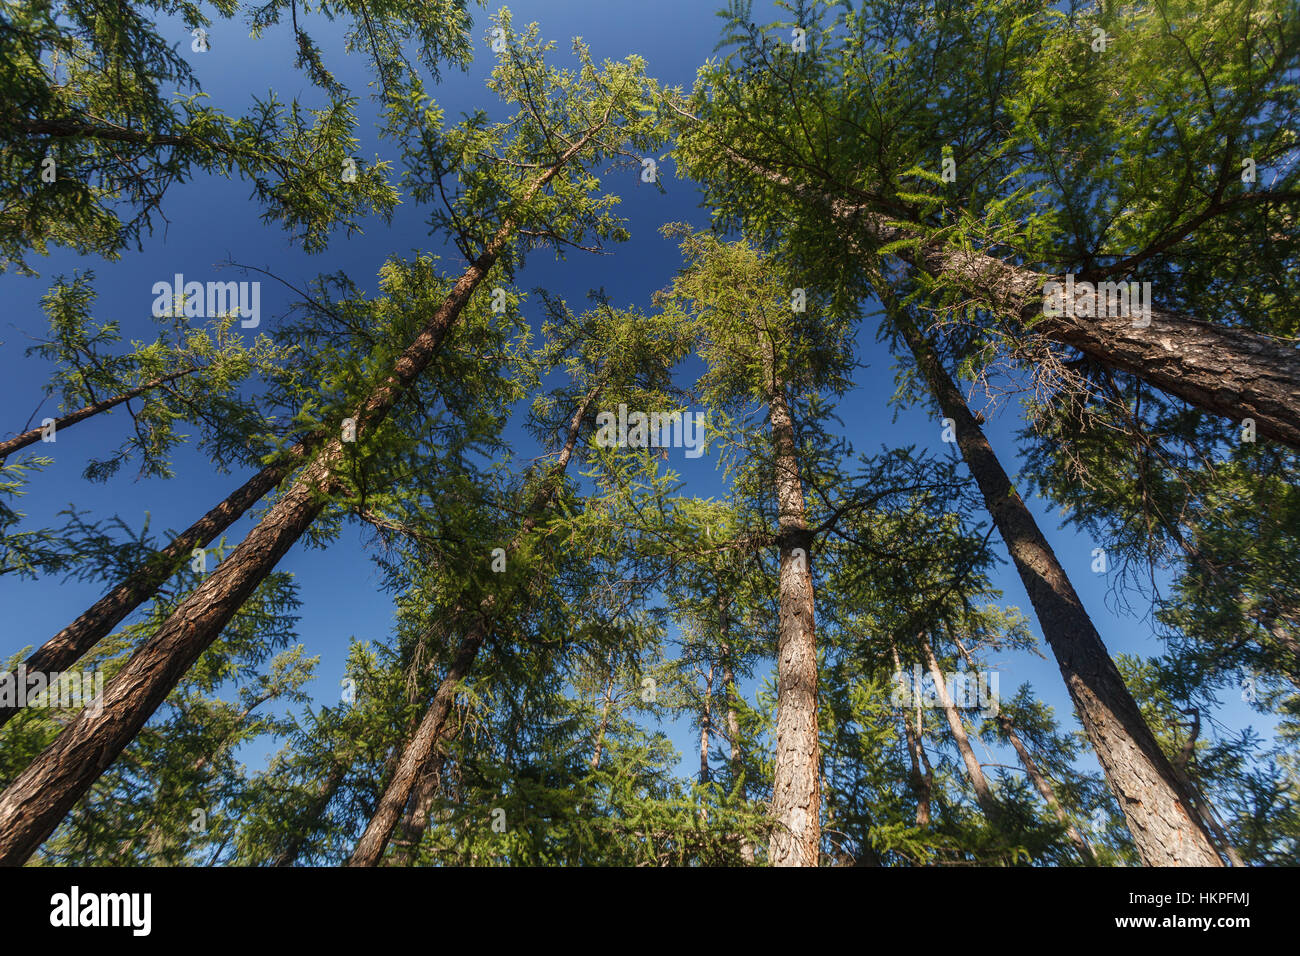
(212, 220)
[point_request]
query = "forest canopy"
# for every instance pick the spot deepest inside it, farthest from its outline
(688, 446)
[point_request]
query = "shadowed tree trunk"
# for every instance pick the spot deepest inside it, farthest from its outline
(370, 848)
(1160, 811)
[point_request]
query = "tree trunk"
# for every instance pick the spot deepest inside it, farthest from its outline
(1160, 811)
(1231, 372)
(1045, 790)
(706, 718)
(1040, 782)
(923, 784)
(416, 819)
(32, 436)
(69, 645)
(796, 785)
(370, 848)
(34, 804)
(983, 792)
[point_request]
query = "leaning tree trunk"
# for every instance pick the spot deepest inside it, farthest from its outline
(1231, 372)
(706, 724)
(1036, 776)
(34, 803)
(983, 792)
(33, 435)
(1160, 811)
(419, 748)
(1045, 790)
(923, 784)
(68, 646)
(796, 784)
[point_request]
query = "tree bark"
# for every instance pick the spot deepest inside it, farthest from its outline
(1231, 372)
(796, 785)
(983, 792)
(370, 848)
(69, 645)
(33, 435)
(1160, 811)
(923, 784)
(34, 803)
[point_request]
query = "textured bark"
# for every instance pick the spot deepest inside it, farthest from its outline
(1231, 372)
(922, 784)
(415, 756)
(796, 785)
(69, 645)
(983, 792)
(33, 435)
(1161, 814)
(34, 803)
(416, 818)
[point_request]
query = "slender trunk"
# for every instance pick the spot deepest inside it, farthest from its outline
(1160, 811)
(34, 804)
(796, 785)
(370, 848)
(734, 759)
(1045, 790)
(706, 718)
(983, 792)
(1040, 782)
(923, 784)
(32, 436)
(69, 645)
